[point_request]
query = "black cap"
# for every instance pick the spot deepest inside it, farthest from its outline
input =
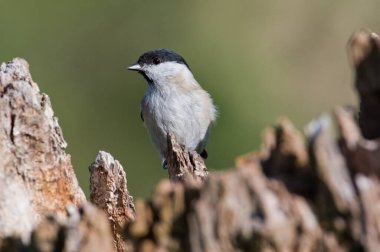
(155, 57)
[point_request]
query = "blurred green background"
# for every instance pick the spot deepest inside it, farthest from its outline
(258, 59)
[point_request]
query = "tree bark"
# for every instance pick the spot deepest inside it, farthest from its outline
(83, 229)
(296, 194)
(108, 188)
(184, 165)
(316, 191)
(36, 175)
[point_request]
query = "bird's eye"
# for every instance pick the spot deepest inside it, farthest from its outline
(156, 61)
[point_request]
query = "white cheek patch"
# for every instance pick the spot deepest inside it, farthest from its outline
(170, 68)
(165, 71)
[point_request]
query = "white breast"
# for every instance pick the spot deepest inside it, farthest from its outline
(184, 109)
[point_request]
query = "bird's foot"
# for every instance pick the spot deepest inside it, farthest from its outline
(165, 165)
(204, 154)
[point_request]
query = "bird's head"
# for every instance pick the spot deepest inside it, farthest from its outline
(161, 66)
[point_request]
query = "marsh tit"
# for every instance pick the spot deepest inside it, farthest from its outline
(174, 102)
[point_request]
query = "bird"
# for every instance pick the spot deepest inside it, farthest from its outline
(174, 102)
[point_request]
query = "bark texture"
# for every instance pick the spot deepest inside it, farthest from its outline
(184, 165)
(313, 191)
(108, 188)
(83, 229)
(365, 56)
(36, 175)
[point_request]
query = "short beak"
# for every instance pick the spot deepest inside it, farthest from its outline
(135, 67)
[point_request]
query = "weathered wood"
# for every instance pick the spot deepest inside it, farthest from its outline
(245, 210)
(364, 49)
(284, 156)
(36, 175)
(84, 229)
(184, 165)
(108, 191)
(313, 192)
(237, 210)
(369, 191)
(336, 202)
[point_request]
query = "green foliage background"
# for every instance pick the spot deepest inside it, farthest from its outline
(258, 59)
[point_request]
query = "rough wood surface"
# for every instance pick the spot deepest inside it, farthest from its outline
(364, 49)
(36, 175)
(108, 191)
(316, 191)
(369, 191)
(84, 229)
(184, 165)
(236, 210)
(313, 193)
(335, 202)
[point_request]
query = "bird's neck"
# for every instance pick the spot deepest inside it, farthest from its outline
(183, 80)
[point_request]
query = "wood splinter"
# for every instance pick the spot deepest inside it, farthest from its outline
(184, 165)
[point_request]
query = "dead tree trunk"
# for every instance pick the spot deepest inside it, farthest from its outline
(36, 175)
(184, 166)
(108, 186)
(316, 192)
